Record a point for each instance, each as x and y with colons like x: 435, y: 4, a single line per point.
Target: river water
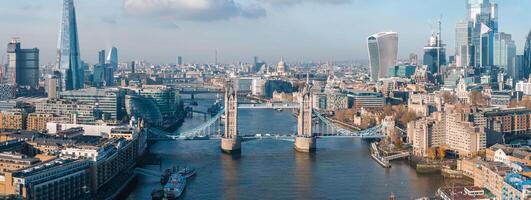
x: 271, y: 169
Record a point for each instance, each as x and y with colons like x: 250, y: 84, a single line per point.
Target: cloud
x: 194, y: 10
x: 293, y: 2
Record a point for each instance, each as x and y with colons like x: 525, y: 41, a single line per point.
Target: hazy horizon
x: 298, y: 30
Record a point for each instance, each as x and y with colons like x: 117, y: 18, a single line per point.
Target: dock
x: 375, y: 154
x: 384, y: 161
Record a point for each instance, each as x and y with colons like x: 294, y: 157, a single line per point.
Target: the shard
x: 68, y: 56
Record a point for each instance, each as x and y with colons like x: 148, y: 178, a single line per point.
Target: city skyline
x: 265, y: 28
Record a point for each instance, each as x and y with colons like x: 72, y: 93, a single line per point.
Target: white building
x: 524, y: 87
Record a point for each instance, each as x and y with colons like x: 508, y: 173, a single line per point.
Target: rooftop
x: 38, y: 168
x: 517, y: 181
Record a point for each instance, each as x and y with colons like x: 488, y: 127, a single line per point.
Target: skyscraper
x: 505, y: 53
x: 383, y: 53
x: 482, y: 25
x: 68, y: 55
x: 462, y: 44
x: 101, y: 57
x: 527, y: 56
x: 179, y: 60
x: 112, y: 58
x: 434, y: 54
x: 23, y: 65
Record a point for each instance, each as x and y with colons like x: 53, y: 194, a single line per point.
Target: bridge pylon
x: 305, y: 141
x: 230, y: 142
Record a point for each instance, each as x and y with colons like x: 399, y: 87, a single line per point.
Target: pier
x: 384, y: 161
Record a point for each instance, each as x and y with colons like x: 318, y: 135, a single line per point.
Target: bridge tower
x: 305, y: 141
x: 230, y: 142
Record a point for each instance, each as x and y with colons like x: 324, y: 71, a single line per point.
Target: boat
x: 187, y: 172
x: 175, y: 187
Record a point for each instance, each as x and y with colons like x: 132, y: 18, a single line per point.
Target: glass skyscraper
x: 434, y: 54
x: 68, y: 55
x: 527, y: 56
x: 383, y: 53
x: 475, y: 35
x: 505, y: 53
x: 112, y: 58
x: 23, y: 65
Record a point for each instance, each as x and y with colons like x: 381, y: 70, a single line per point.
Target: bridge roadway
x: 268, y: 106
x: 285, y: 137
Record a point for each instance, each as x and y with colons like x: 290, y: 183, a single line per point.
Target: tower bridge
x: 311, y: 125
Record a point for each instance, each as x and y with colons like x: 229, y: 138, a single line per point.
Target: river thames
x: 271, y: 169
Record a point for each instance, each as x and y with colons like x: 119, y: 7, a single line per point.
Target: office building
x: 483, y: 24
x: 434, y: 54
x: 61, y: 178
x: 101, y: 57
x: 463, y: 56
x: 23, y: 65
x: 524, y: 87
x: 403, y: 71
x: 383, y: 53
x: 167, y: 99
x: 366, y: 100
x: 66, y: 111
x: 7, y: 91
x: 112, y: 58
x: 179, y: 61
x: 53, y: 85
x: 68, y: 55
x: 526, y: 61
x: 505, y: 53
x: 107, y: 103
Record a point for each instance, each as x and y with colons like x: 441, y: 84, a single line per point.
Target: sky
x: 298, y: 30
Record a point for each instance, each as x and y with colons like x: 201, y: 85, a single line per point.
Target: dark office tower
x: 179, y: 60
x: 527, y: 55
x: 133, y: 67
x: 434, y: 54
x: 68, y: 55
x: 101, y: 57
x: 519, y: 68
x: 23, y: 65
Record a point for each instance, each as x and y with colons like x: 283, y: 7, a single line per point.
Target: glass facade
x: 23, y: 65
x: 483, y: 24
x: 383, y: 53
x: 527, y: 56
x: 68, y: 55
x: 505, y: 53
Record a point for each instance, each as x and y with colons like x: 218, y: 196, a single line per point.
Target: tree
x: 388, y: 110
x: 477, y: 98
x: 441, y: 152
x: 432, y: 153
x: 448, y: 97
x: 407, y: 117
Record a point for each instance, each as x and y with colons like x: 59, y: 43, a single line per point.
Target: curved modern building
x: 139, y: 106
x: 383, y: 53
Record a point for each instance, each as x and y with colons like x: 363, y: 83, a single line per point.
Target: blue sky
x: 316, y: 30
